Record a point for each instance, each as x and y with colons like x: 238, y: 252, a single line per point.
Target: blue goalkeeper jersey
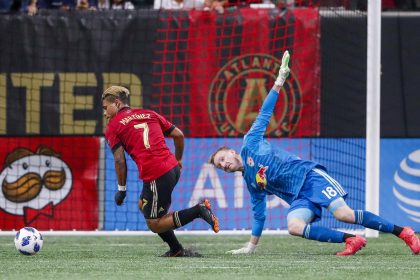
x: 267, y: 169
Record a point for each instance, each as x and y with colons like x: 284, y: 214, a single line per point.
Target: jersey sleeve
x: 258, y: 128
x: 258, y: 201
x: 166, y: 125
x: 112, y: 138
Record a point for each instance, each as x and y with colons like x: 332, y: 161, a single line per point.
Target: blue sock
x: 323, y: 234
x: 370, y: 220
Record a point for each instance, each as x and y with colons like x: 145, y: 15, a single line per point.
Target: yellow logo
x: 260, y: 177
x: 240, y: 87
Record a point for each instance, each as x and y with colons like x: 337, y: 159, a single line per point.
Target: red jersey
x: 141, y: 133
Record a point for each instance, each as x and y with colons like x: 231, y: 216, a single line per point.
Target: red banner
x: 49, y: 183
x: 234, y: 60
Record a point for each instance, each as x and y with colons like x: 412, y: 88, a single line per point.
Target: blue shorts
x: 318, y: 190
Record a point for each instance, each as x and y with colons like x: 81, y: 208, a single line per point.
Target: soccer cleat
x: 411, y: 239
x: 207, y: 215
x: 182, y: 253
x: 353, y: 244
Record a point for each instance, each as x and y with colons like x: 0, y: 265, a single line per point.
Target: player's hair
x: 211, y: 158
x: 116, y: 92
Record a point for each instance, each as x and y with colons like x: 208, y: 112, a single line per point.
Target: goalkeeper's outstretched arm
x: 248, y: 248
x: 258, y: 198
x: 256, y: 133
x: 259, y: 203
x: 283, y: 72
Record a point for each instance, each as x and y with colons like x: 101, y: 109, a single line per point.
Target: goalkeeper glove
x: 284, y: 69
x: 249, y: 248
x: 120, y: 195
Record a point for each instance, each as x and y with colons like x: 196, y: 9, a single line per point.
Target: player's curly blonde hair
x: 115, y: 92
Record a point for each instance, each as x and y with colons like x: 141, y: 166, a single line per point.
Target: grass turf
x: 278, y: 257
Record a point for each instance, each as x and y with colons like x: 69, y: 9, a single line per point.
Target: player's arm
x: 119, y: 162
x: 256, y: 133
x: 170, y: 130
x: 178, y: 138
x: 121, y: 170
x: 283, y: 72
x: 258, y: 201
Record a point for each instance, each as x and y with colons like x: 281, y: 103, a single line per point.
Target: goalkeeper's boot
x: 207, y: 215
x: 353, y: 244
x: 182, y: 253
x: 411, y: 239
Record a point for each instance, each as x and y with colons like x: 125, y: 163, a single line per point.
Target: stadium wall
x: 343, y: 76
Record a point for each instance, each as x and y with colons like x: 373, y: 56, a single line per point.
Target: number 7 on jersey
x: 145, y: 133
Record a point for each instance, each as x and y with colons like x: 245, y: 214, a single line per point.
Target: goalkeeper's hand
x: 119, y: 197
x: 249, y: 248
x: 284, y: 70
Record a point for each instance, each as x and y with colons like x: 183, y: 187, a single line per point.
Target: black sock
x: 185, y: 216
x: 397, y: 230
x: 170, y: 238
x: 347, y: 235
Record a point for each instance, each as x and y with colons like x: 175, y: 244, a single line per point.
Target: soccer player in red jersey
x: 141, y: 133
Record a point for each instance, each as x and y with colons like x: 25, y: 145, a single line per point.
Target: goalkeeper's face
x: 228, y: 160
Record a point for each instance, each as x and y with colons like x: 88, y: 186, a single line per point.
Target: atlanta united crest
x: 238, y: 90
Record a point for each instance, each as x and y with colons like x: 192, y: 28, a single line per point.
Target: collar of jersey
x: 123, y: 109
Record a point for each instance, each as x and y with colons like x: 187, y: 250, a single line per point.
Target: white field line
x: 149, y: 233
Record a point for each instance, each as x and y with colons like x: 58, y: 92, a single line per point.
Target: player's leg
x: 333, y: 194
x: 146, y: 202
x: 155, y: 202
x: 297, y: 219
x: 201, y: 210
x: 155, y: 209
x: 299, y: 222
x: 317, y: 192
x: 182, y: 217
x: 342, y: 212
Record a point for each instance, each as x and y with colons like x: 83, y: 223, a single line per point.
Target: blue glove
x: 119, y: 197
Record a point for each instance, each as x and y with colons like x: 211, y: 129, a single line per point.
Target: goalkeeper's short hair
x: 211, y: 158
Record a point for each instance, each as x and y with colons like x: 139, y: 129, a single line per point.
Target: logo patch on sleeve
x: 260, y: 177
x: 250, y: 161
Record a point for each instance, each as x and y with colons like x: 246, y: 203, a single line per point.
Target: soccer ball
x: 28, y: 241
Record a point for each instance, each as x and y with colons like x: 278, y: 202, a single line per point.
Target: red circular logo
x: 238, y: 90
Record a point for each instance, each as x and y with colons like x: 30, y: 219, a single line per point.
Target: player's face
x: 228, y: 161
x: 110, y: 108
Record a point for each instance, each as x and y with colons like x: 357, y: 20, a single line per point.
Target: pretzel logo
x: 33, y: 181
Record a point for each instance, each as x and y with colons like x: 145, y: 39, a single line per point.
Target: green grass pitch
x: 136, y: 257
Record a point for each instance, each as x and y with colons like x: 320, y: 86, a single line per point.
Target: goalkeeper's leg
x: 299, y: 225
x: 369, y: 220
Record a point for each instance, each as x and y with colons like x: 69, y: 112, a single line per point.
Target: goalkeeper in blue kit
x: 305, y: 185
